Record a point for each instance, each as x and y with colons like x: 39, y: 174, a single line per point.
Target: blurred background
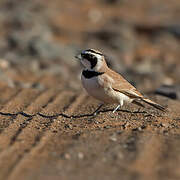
x: 141, y: 39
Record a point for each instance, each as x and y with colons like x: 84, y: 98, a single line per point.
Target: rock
x: 113, y: 138
x: 171, y: 91
x: 67, y: 156
x: 4, y: 64
x: 80, y: 155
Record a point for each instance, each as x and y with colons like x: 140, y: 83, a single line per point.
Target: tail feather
x: 137, y: 103
x: 152, y: 103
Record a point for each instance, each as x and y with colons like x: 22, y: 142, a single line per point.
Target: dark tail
x: 137, y: 103
x: 152, y: 103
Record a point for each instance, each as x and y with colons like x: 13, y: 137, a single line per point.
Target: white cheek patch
x: 97, y: 55
x: 99, y: 64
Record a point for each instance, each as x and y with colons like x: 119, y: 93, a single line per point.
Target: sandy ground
x: 52, y: 134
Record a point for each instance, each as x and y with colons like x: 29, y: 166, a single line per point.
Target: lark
x: 106, y: 85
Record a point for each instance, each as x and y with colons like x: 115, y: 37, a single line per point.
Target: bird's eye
x: 82, y: 55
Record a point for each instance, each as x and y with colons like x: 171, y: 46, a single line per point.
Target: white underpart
x: 94, y: 87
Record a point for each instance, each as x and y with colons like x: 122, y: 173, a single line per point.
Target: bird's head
x: 92, y: 59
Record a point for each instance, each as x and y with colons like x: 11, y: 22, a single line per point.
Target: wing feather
x: 118, y: 83
x: 123, y: 86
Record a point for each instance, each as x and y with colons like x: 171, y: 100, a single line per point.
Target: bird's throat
x: 90, y: 74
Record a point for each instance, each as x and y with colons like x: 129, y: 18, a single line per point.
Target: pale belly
x: 107, y: 95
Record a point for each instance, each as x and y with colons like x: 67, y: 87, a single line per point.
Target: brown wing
x: 119, y: 84
x: 123, y: 86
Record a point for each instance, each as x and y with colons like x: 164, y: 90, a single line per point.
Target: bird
x: 106, y: 85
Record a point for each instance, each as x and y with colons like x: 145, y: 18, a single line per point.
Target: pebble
x: 67, y: 156
x: 95, y: 15
x: 80, y: 155
x: 127, y: 124
x: 171, y: 91
x: 166, y: 125
x: 4, y: 64
x: 120, y: 155
x: 107, y: 127
x: 68, y: 126
x: 113, y: 138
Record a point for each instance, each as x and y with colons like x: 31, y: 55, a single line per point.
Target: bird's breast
x: 91, y: 85
x: 94, y: 89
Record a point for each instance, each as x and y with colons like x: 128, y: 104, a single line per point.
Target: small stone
x: 166, y: 125
x: 112, y: 116
x: 119, y: 132
x: 107, y: 127
x: 67, y: 156
x: 95, y: 15
x: 68, y: 126
x: 171, y: 91
x: 113, y: 138
x: 127, y: 124
x: 54, y: 131
x: 80, y: 155
x: 120, y: 155
x: 4, y: 64
x: 135, y: 129
x: 168, y: 81
x: 139, y: 128
x: 165, y: 131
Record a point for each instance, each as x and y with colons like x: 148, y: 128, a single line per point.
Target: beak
x: 78, y: 57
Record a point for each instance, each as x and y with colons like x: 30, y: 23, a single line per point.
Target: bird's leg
x: 95, y: 112
x: 120, y: 105
x: 116, y: 108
